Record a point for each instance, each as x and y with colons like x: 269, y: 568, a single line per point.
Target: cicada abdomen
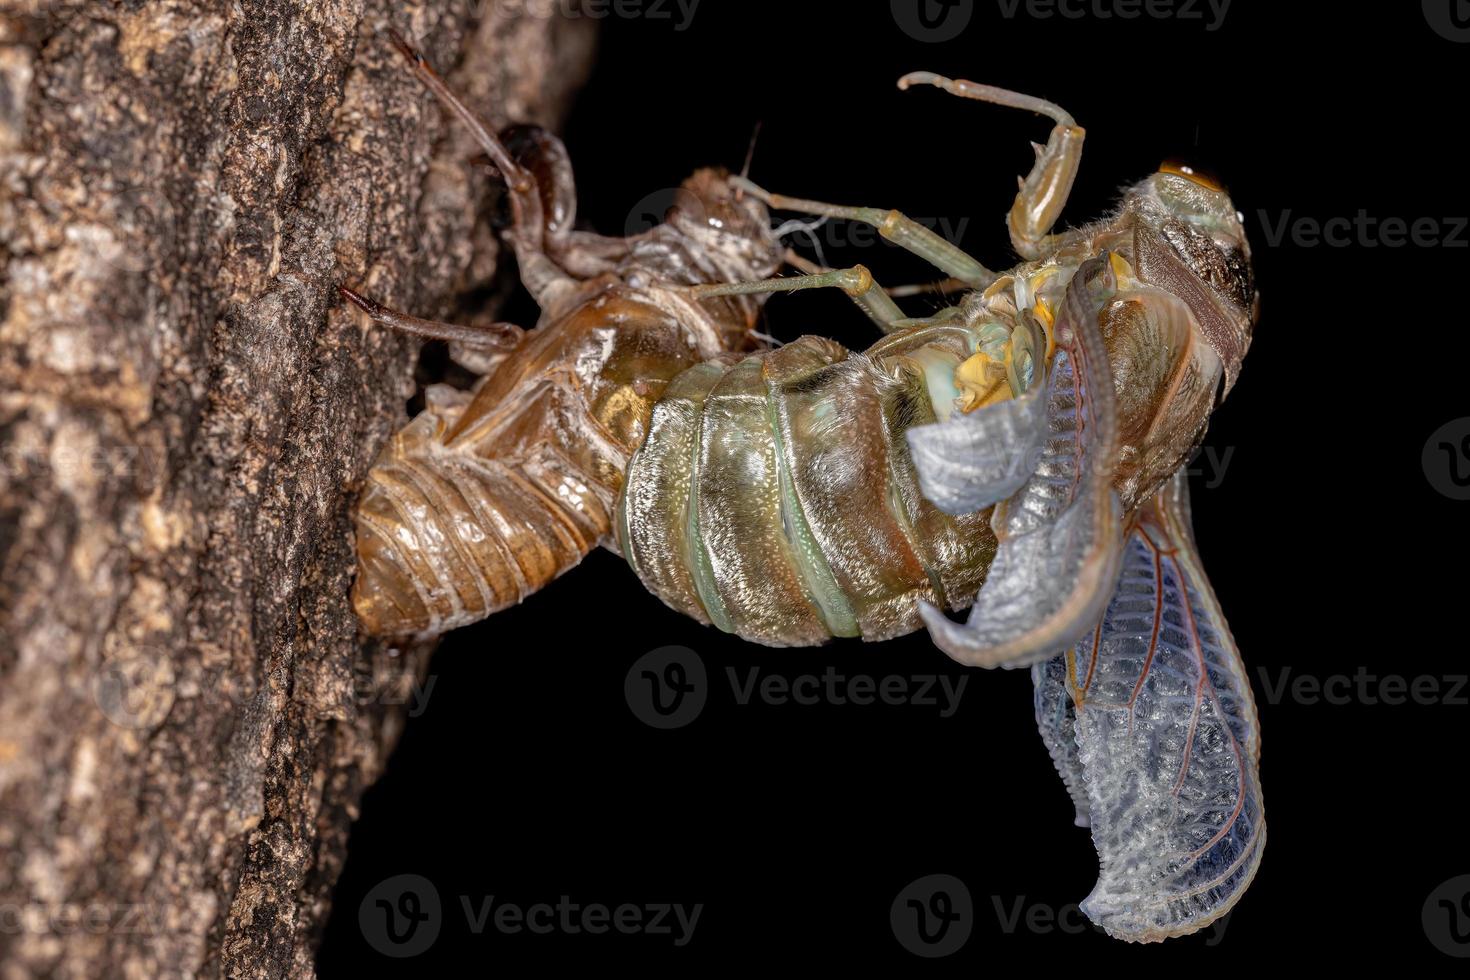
x: 776, y: 498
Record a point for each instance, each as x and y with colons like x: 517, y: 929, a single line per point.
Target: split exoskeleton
x: 1019, y: 453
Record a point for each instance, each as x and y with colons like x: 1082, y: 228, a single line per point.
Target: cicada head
x: 712, y: 233
x: 1190, y: 241
x: 1178, y: 323
x: 726, y: 223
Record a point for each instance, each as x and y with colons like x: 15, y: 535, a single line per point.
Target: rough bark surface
x: 188, y: 717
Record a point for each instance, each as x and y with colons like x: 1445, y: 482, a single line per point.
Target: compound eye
x: 1201, y: 177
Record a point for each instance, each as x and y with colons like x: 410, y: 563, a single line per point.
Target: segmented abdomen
x: 776, y: 499
x: 478, y: 503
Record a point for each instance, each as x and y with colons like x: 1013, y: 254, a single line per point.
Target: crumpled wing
x: 1167, y: 738
x: 1060, y: 533
x: 972, y: 461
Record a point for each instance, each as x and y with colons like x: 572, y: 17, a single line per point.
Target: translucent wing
x: 1060, y: 533
x: 1167, y: 739
x: 1056, y: 718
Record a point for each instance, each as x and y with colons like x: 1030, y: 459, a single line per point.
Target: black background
x: 528, y: 777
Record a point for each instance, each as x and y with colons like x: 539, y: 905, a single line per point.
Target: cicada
x: 1018, y: 453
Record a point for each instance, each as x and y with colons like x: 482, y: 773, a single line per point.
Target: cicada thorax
x: 1165, y: 383
x: 1174, y: 331
x: 775, y: 497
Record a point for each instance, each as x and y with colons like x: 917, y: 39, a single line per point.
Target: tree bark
x: 188, y: 717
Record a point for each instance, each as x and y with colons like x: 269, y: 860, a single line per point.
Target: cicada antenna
x: 749, y: 157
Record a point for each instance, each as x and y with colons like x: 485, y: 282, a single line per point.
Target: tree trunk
x: 188, y: 717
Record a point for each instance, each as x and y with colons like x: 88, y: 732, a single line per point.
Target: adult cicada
x: 1018, y: 453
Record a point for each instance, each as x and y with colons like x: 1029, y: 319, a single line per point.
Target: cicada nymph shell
x: 481, y: 501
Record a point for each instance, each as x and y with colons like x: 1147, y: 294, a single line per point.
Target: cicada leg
x: 581, y: 254
x: 943, y: 286
x: 895, y: 226
x: 492, y: 338
x: 857, y: 282
x: 545, y: 280
x: 1044, y: 191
